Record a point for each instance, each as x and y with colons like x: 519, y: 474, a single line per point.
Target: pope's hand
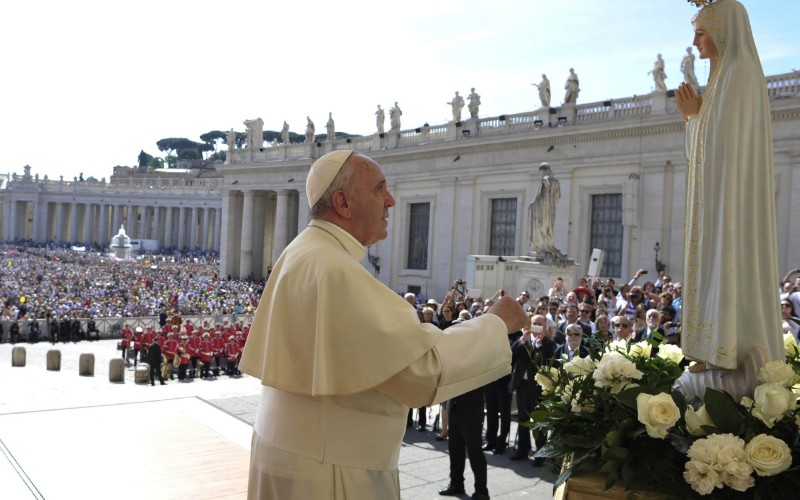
x: 510, y: 312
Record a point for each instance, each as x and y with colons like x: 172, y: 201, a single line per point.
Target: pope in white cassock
x: 342, y: 357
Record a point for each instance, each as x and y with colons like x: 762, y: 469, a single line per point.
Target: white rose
x: 670, y: 352
x: 789, y: 344
x: 579, y: 366
x: 778, y: 372
x: 617, y: 345
x: 641, y: 349
x: 771, y: 402
x: 768, y: 455
x: 615, y: 372
x: 701, y: 477
x: 696, y: 419
x: 545, y: 378
x: 657, y: 413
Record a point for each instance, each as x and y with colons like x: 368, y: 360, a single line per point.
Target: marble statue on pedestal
x: 380, y: 117
x: 231, y: 140
x: 542, y: 214
x: 457, y: 103
x: 474, y: 103
x: 255, y: 133
x: 330, y: 127
x: 544, y: 91
x: 572, y: 87
x: 658, y: 74
x: 310, y: 131
x: 394, y: 117
x: 285, y: 133
x: 687, y: 68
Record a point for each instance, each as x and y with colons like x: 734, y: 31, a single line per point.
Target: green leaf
x: 724, y: 411
x: 628, y: 396
x: 611, y: 480
x: 617, y: 452
x: 627, y: 476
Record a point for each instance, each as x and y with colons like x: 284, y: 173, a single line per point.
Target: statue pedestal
x: 469, y: 128
x: 569, y: 112
x: 392, y: 139
x: 658, y: 102
x: 490, y: 273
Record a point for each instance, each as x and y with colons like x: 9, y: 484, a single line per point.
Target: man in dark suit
x: 653, y: 319
x: 498, y: 407
x: 464, y: 434
x: 571, y: 316
x: 573, y: 346
x: 154, y: 361
x: 533, y: 350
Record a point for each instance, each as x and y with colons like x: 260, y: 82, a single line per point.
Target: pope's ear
x: 340, y: 204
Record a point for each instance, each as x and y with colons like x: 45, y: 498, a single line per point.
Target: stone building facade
x: 462, y: 188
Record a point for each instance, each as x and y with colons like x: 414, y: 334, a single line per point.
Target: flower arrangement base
x: 584, y: 485
x: 589, y: 484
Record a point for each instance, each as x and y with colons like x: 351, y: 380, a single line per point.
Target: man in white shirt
x: 341, y: 357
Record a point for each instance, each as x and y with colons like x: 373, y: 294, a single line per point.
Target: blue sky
x: 88, y: 84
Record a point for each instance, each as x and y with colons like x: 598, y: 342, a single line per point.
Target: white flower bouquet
x: 616, y: 412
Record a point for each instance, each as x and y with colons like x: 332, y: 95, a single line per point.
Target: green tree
x: 155, y: 163
x: 212, y: 137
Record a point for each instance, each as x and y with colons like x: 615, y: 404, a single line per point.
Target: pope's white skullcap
x: 322, y: 173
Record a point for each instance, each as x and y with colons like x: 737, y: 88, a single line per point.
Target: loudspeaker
x: 596, y: 262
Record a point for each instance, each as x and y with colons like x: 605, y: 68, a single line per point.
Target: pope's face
x: 370, y: 203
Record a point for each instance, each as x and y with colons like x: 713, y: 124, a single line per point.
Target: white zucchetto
x: 322, y: 173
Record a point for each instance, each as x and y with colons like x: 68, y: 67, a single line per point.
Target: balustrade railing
x: 778, y: 86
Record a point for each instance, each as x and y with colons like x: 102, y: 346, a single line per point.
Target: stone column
x: 302, y: 210
x: 181, y: 228
x: 59, y: 222
x: 217, y: 229
x: 193, y: 230
x: 116, y: 218
x: 88, y: 224
x: 12, y: 223
x: 103, y: 233
x: 130, y: 226
x: 168, y: 229
x: 39, y: 215
x: 156, y: 234
x: 73, y: 225
x: 147, y: 221
x: 246, y: 252
x: 204, y: 234
x: 281, y: 228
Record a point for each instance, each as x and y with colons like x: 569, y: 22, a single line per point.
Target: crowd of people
x: 566, y: 323
x: 55, y: 283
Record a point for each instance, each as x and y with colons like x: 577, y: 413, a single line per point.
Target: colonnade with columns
x: 257, y: 226
x: 180, y: 223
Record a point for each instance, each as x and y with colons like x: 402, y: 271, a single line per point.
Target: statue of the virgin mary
x: 731, y: 317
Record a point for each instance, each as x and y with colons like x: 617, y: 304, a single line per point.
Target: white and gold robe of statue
x: 341, y: 358
x: 731, y: 316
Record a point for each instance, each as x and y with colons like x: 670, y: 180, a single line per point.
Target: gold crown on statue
x: 700, y: 3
